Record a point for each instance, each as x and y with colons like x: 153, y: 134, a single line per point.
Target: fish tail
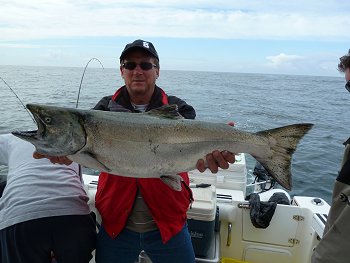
x: 283, y: 142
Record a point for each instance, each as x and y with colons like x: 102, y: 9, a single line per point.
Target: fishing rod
x: 18, y: 99
x: 82, y: 77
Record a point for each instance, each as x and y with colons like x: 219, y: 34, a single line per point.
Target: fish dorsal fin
x: 166, y: 111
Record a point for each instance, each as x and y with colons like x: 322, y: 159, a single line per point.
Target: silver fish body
x: 154, y: 144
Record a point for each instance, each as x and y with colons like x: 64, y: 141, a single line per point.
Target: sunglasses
x: 143, y: 65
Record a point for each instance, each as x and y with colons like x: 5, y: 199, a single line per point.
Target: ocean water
x: 253, y: 101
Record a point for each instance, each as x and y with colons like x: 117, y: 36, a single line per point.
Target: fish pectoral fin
x: 167, y: 112
x: 173, y: 181
x: 87, y: 157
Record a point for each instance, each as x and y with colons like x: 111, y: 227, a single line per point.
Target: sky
x: 302, y: 37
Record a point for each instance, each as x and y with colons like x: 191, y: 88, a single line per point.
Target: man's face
x: 139, y: 82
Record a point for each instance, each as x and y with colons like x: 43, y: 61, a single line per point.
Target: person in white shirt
x: 43, y: 209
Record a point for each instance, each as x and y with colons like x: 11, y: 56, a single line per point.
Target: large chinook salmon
x: 155, y: 144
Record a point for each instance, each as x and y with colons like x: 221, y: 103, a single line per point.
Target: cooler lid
x: 204, y: 204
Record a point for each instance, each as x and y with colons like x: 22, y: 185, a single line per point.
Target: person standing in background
x: 334, y: 245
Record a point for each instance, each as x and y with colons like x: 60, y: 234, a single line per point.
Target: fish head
x: 60, y: 130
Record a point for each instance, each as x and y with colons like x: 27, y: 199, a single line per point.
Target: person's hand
x: 215, y: 160
x: 53, y: 159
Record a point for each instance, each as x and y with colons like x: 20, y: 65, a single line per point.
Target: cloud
x: 318, y: 63
x: 283, y: 60
x: 40, y: 19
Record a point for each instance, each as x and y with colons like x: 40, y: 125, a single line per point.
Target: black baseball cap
x: 140, y: 44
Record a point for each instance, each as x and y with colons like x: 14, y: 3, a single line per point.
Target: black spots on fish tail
x: 288, y: 136
x: 290, y: 151
x: 279, y: 167
x: 283, y: 142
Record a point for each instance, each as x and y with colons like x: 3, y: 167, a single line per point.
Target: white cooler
x: 202, y: 219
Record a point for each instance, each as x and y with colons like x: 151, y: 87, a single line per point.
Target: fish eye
x: 47, y: 120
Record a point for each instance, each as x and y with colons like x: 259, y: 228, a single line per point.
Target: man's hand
x: 53, y: 159
x: 215, y: 160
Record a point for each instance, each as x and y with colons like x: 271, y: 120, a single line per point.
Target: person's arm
x: 4, y: 149
x: 187, y: 111
x: 103, y: 104
x: 53, y: 159
x: 341, y: 192
x: 336, y: 232
x: 3, y: 160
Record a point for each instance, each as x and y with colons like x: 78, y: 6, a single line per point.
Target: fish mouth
x: 33, y: 134
x: 59, y: 130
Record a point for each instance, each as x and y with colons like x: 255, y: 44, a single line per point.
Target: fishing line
x: 82, y: 77
x: 18, y: 99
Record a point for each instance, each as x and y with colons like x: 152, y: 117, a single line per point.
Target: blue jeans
x: 126, y: 247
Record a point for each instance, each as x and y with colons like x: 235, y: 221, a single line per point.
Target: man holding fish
x: 149, y: 212
x: 145, y: 213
